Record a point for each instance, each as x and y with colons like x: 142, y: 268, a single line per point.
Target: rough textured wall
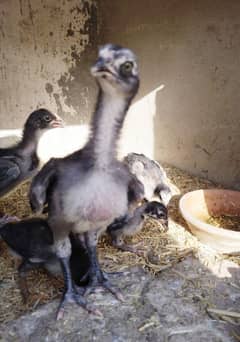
x: 190, y: 50
x: 187, y: 109
x: 45, y: 50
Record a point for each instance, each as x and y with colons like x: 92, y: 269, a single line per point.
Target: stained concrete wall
x: 187, y: 110
x: 190, y: 79
x: 46, y: 47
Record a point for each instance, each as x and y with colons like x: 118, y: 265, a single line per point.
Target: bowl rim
x: 201, y: 225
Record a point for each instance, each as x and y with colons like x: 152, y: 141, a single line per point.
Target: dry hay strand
x: 163, y: 250
x: 225, y: 222
x: 160, y: 251
x: 225, y: 315
x: 16, y: 203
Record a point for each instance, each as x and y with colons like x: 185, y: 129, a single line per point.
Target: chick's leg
x: 97, y: 278
x: 136, y: 248
x: 127, y: 226
x: 23, y: 269
x: 70, y: 293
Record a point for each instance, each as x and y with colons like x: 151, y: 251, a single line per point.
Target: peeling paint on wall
x: 78, y: 87
x: 43, y: 54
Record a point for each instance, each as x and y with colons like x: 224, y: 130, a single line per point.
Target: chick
x: 130, y: 224
x: 31, y: 241
x: 88, y: 189
x: 19, y: 162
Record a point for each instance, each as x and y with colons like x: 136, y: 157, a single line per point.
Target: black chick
x: 132, y: 223
x: 19, y: 162
x: 31, y: 240
x: 152, y: 176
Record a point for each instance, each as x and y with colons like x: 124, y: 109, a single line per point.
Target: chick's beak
x: 57, y: 122
x: 165, y: 222
x: 99, y: 68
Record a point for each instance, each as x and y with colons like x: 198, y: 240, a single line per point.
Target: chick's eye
x: 47, y: 118
x: 161, y: 214
x: 126, y: 68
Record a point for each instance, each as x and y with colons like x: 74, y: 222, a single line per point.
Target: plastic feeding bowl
x: 198, y: 206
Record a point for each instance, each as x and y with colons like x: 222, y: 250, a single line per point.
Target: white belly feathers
x: 95, y: 201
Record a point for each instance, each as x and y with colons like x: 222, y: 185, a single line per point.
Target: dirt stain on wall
x: 47, y: 48
x: 78, y: 87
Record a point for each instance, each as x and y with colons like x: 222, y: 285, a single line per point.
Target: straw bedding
x: 162, y: 249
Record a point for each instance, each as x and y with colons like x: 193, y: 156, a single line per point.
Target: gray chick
x: 87, y: 190
x: 152, y: 176
x: 130, y: 224
x: 157, y: 194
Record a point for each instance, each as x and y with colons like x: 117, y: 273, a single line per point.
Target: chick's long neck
x: 29, y: 142
x: 106, y: 126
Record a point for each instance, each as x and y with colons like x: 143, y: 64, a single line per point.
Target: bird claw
x: 76, y: 297
x: 7, y: 218
x: 134, y: 248
x: 115, y: 291
x: 102, y: 282
x: 104, y: 274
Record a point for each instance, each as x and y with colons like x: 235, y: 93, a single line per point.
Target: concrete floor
x: 171, y: 307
